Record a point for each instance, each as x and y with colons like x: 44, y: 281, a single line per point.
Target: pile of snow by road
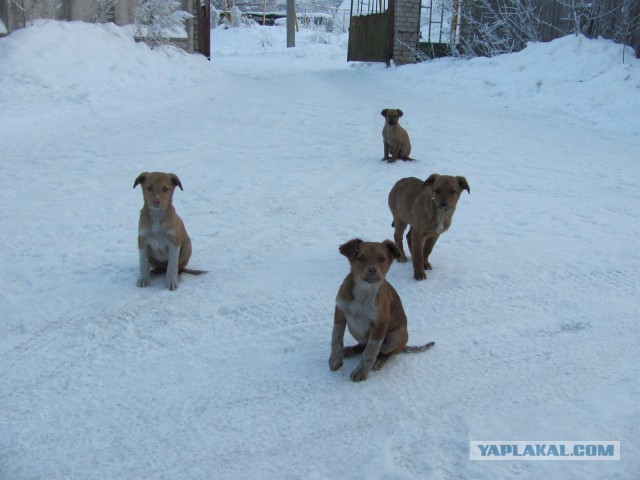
x: 532, y: 300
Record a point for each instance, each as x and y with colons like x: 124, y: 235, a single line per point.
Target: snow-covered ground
x: 532, y: 302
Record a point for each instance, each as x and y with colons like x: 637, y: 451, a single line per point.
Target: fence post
x: 291, y: 23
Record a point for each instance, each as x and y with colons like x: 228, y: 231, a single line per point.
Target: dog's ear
x: 463, y: 184
x: 399, y: 112
x: 140, y: 180
x: 393, y: 249
x: 175, y: 180
x: 431, y: 180
x: 350, y: 248
x: 384, y: 112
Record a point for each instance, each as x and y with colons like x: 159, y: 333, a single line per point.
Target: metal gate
x: 371, y: 31
x: 439, y: 27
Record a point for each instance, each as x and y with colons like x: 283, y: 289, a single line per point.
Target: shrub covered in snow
x: 157, y: 20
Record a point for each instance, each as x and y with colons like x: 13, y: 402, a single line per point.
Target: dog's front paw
x: 143, y: 281
x: 359, y: 374
x: 335, y: 362
x: 419, y: 275
x: 427, y: 266
x: 171, y: 283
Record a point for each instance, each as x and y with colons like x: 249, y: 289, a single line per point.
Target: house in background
x: 16, y: 14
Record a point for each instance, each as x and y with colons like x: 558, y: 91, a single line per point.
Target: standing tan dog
x: 370, y: 307
x: 395, y: 138
x: 162, y: 238
x: 428, y: 207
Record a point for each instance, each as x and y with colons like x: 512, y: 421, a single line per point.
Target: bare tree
x: 499, y: 26
x: 103, y: 11
x: 33, y: 9
x: 628, y: 27
x: 618, y: 20
x: 590, y: 17
x: 28, y: 9
x: 492, y: 27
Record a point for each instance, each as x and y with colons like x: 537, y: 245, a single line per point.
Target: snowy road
x: 532, y: 301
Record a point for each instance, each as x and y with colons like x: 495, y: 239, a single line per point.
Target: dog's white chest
x: 158, y: 240
x: 360, y: 312
x: 441, y: 223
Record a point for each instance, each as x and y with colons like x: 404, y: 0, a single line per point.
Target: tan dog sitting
x: 395, y: 138
x: 371, y: 308
x: 428, y: 207
x: 162, y: 238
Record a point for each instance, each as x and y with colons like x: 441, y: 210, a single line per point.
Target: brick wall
x: 406, y: 28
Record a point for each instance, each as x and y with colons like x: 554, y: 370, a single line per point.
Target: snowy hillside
x: 532, y: 300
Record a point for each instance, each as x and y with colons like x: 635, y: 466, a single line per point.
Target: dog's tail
x: 353, y: 350
x: 356, y: 349
x: 418, y: 349
x: 193, y: 272
x: 163, y: 269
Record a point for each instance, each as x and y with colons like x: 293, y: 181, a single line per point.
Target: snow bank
x: 573, y: 74
x: 80, y: 62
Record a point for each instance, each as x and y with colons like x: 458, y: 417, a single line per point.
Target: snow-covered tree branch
x: 500, y: 27
x: 103, y: 11
x: 156, y: 21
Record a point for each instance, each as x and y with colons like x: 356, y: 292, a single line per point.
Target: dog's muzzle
x: 443, y: 205
x: 372, y: 276
x: 371, y: 280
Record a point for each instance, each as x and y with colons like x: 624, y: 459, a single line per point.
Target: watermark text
x: 544, y: 450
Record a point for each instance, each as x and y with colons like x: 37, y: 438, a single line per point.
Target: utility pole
x: 291, y: 23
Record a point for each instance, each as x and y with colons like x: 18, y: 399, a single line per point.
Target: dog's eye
x: 361, y: 258
x: 150, y: 188
x: 438, y: 191
x: 165, y: 189
x: 451, y: 192
x: 381, y: 259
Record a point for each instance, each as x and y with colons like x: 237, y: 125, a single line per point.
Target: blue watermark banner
x: 544, y: 450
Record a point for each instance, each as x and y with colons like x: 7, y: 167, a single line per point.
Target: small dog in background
x: 162, y: 238
x: 395, y: 138
x: 428, y: 208
x: 371, y: 308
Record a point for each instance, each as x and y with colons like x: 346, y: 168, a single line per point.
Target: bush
x: 156, y: 21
